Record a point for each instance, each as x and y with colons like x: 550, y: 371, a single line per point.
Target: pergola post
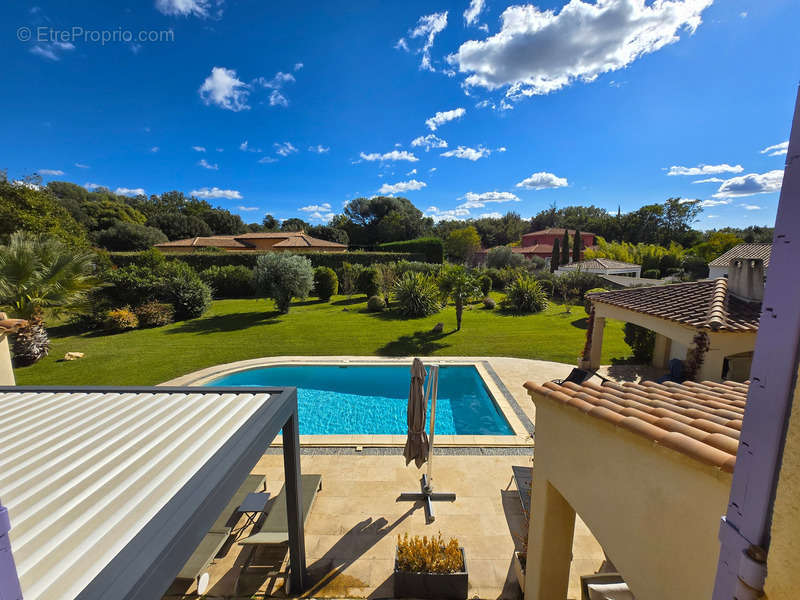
x: 661, y: 351
x: 597, y: 341
x: 550, y: 544
x: 291, y: 467
x: 711, y: 369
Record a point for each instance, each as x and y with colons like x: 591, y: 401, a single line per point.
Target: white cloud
x: 215, y: 192
x: 53, y: 50
x: 401, y: 44
x: 276, y: 96
x: 298, y: 66
x: 183, y: 8
x: 411, y: 172
x: 82, y: 166
x: 540, y: 51
x: 542, y: 181
x: 123, y: 191
x: 712, y: 203
x: 401, y: 186
x: 451, y: 214
x: 50, y: 172
x: 472, y: 154
x: 491, y: 215
x: 743, y: 14
x: 319, y: 149
x: 247, y: 208
x: 267, y: 160
x: 491, y: 197
x: 91, y: 186
x: 751, y: 206
x: 751, y: 184
x: 198, y: 148
x: 473, y: 11
x: 442, y: 117
x: 429, y: 141
x: 709, y: 180
x: 777, y: 149
x: 207, y: 165
x: 705, y: 169
x: 427, y: 27
x: 393, y: 155
x: 319, y: 216
x: 154, y: 149
x: 284, y: 149
x: 224, y: 89
x: 432, y: 169
x: 325, y: 206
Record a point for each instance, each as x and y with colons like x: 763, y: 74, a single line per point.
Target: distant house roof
x: 699, y: 420
x: 556, y: 231
x: 702, y: 304
x: 290, y: 239
x: 627, y: 282
x: 761, y: 251
x: 600, y: 264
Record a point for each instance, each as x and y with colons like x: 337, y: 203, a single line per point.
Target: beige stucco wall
x: 783, y: 572
x: 6, y: 370
x: 655, y: 511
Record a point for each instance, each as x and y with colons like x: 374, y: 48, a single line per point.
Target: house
x: 287, y: 241
x: 540, y: 243
x: 719, y: 266
x: 723, y: 312
x: 603, y: 266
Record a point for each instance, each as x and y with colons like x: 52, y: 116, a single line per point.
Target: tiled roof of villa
x: 761, y: 251
x: 220, y: 241
x: 292, y: 239
x: 701, y: 304
x: 700, y: 420
x: 598, y: 264
x: 306, y: 241
x: 556, y: 231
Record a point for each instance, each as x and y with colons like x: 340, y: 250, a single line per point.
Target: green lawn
x: 241, y: 329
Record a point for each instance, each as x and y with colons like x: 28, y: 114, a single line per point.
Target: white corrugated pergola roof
x: 83, y: 473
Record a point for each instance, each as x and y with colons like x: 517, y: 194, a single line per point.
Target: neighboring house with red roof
x: 540, y: 243
x: 291, y: 241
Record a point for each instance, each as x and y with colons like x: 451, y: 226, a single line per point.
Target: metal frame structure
x: 148, y: 564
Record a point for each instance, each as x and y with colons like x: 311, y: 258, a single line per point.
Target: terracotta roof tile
x: 700, y: 420
x: 556, y: 231
x: 699, y: 304
x: 290, y: 239
x: 762, y: 251
x: 599, y: 264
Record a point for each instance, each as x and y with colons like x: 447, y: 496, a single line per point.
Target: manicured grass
x: 241, y: 329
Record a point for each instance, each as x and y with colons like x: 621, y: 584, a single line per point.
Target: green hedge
x: 431, y: 247
x: 202, y: 261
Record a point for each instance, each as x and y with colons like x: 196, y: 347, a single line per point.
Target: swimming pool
x: 364, y: 400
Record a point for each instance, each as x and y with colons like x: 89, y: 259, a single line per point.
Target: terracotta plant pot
x: 447, y: 586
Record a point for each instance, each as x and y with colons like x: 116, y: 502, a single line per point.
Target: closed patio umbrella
x: 417, y: 442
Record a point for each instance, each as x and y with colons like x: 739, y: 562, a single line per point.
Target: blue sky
x: 293, y: 110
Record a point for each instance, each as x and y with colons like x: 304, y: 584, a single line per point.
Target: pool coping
x: 517, y: 419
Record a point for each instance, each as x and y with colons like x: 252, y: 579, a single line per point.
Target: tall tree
x: 555, y: 258
x: 577, y: 246
x: 565, y: 248
x: 270, y: 223
x: 461, y: 244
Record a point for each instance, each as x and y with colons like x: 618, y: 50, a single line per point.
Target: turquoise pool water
x: 372, y: 400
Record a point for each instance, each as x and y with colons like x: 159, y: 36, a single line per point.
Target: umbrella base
x: 428, y: 496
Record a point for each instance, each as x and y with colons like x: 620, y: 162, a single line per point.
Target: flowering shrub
x: 155, y: 314
x: 120, y: 319
x: 423, y: 555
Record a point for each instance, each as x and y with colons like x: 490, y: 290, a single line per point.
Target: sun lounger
x: 196, y: 568
x: 523, y: 476
x: 575, y: 376
x: 604, y: 586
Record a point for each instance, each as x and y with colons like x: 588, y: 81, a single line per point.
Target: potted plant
x: 429, y: 568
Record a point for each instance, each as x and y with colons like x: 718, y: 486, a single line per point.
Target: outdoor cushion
x: 609, y: 591
x: 203, y: 555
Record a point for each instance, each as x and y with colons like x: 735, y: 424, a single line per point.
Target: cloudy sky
x: 468, y: 108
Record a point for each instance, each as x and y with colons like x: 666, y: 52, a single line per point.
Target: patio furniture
x: 675, y: 372
x: 523, y: 477
x: 577, y: 376
x: 196, y: 568
x: 604, y: 586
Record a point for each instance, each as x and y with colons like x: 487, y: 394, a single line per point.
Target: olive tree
x: 283, y: 277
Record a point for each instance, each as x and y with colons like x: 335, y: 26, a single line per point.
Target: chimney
x: 746, y: 279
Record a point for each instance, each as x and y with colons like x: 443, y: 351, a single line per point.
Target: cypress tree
x: 577, y: 246
x: 565, y: 248
x: 555, y: 258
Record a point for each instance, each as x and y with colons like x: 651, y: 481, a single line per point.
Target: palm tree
x: 41, y: 275
x: 462, y: 288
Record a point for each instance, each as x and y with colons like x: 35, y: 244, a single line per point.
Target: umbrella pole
x: 434, y: 381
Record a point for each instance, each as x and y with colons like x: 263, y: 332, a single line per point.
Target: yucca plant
x: 38, y: 276
x: 416, y: 295
x: 460, y: 286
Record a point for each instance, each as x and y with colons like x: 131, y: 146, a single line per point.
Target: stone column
x: 597, y: 342
x: 6, y: 371
x: 549, y: 543
x: 711, y: 370
x: 661, y: 351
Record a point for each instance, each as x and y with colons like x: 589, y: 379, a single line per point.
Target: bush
x: 183, y: 289
x: 404, y: 266
x: 417, y: 295
x: 283, y: 277
x: 587, y: 304
x: 368, y: 282
x: 326, y: 284
x: 642, y: 342
x: 695, y: 267
x: 429, y: 555
x: 489, y: 303
x: 155, y: 314
x: 230, y: 281
x: 431, y: 248
x: 502, y: 277
x: 375, y: 304
x: 133, y: 284
x: 503, y: 257
x: 525, y: 295
x: 120, y: 319
x: 129, y: 236
x: 348, y: 278
x: 486, y: 284
x: 651, y: 274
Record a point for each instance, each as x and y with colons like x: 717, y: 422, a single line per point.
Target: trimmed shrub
x: 368, y: 282
x: 486, y: 284
x: 641, y: 340
x: 375, y: 304
x: 121, y: 319
x: 230, y: 281
x: 155, y: 314
x: 129, y: 236
x: 417, y: 295
x: 651, y: 274
x: 326, y: 283
x: 283, y: 277
x: 432, y: 248
x: 525, y: 295
x: 187, y: 293
x: 489, y: 303
x: 587, y: 304
x: 134, y: 284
